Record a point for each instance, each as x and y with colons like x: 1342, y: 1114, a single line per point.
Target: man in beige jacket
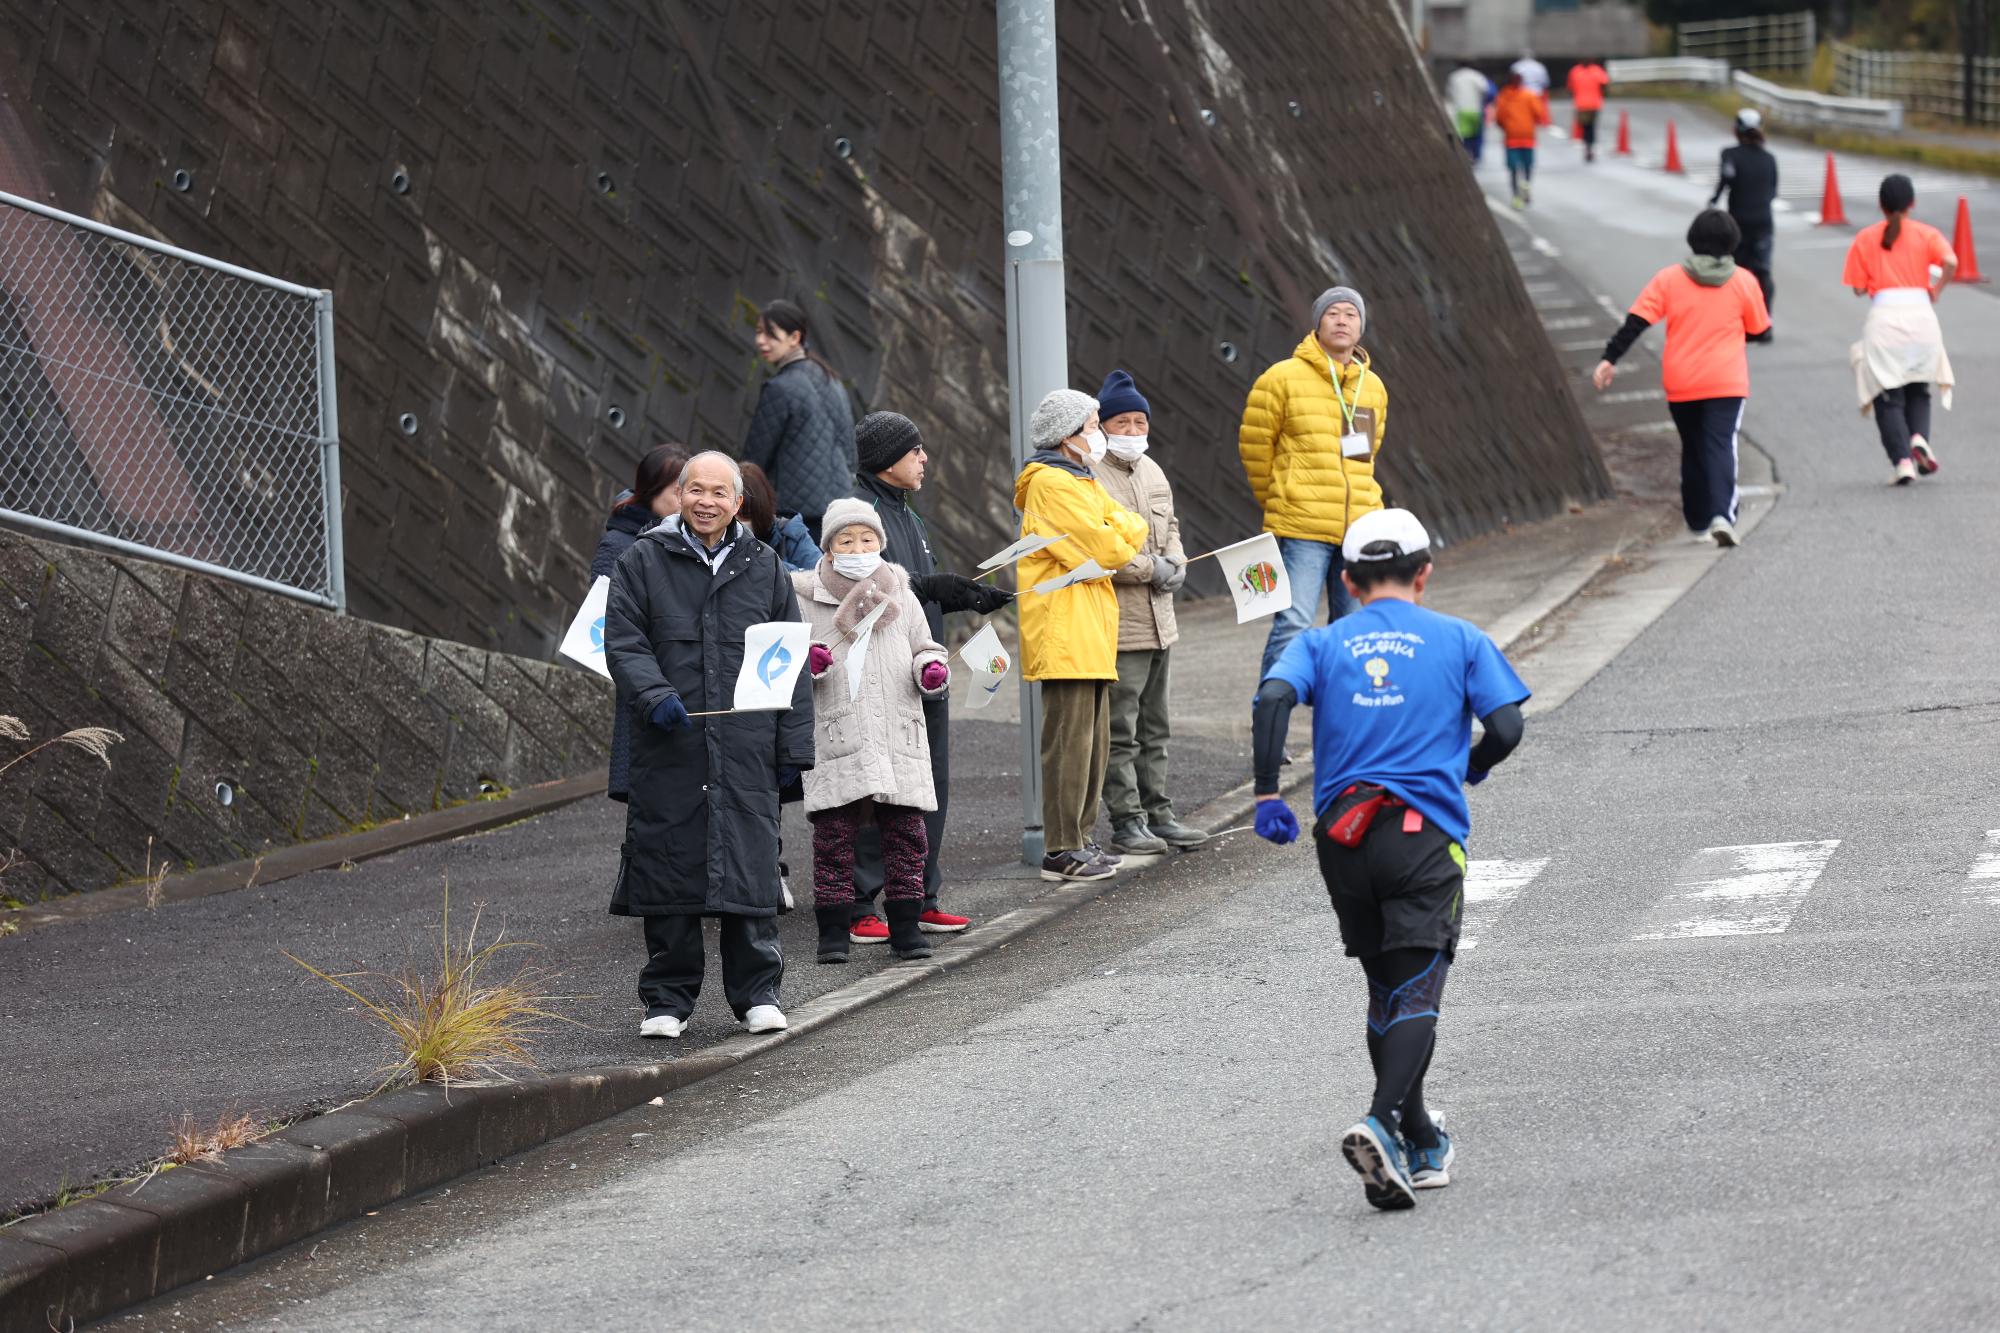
x: 1135, y: 781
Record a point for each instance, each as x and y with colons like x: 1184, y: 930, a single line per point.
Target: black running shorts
x: 1397, y: 890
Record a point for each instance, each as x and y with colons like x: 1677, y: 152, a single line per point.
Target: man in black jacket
x: 1750, y: 175
x: 893, y: 459
x: 701, y: 824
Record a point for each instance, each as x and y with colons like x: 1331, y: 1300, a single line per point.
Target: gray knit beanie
x: 882, y: 438
x: 846, y: 513
x: 1336, y: 294
x: 1059, y: 416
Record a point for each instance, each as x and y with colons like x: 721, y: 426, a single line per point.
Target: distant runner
x: 1519, y: 112
x: 1535, y: 75
x: 1750, y: 178
x: 1467, y: 94
x: 1393, y: 690
x: 1587, y: 83
x: 1711, y: 306
x: 1902, y: 266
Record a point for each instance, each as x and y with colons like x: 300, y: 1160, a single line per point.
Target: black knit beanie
x: 882, y: 438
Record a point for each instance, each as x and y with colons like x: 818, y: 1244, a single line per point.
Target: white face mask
x: 857, y: 566
x: 1094, y: 445
x: 1128, y: 447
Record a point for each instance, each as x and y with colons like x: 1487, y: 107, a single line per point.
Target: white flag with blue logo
x: 585, y: 641
x: 773, y: 655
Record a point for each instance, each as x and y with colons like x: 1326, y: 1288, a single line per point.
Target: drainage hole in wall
x: 225, y: 793
x: 1227, y: 349
x: 616, y: 416
x: 408, y: 423
x: 400, y: 182
x: 605, y: 185
x: 183, y: 181
x: 843, y: 147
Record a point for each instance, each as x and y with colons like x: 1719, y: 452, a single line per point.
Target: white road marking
x: 1543, y: 247
x: 1632, y: 396
x: 1984, y: 877
x: 1569, y: 322
x: 1489, y: 886
x: 1749, y: 890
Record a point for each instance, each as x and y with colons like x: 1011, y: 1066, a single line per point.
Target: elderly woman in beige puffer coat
x: 873, y: 753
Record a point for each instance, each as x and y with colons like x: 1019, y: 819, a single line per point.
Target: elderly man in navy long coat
x: 701, y: 828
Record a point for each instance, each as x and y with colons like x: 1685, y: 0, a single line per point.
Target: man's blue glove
x: 1276, y: 822
x: 669, y: 712
x: 1475, y: 776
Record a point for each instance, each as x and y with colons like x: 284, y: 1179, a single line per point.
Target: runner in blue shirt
x: 1393, y: 688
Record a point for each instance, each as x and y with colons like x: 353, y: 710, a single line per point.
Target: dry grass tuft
x: 452, y: 1023
x: 196, y: 1145
x: 95, y: 741
x: 156, y: 880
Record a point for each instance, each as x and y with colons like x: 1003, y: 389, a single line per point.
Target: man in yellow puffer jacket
x: 1069, y: 638
x: 1308, y: 442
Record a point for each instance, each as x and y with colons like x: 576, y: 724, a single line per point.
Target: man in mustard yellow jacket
x: 1069, y: 637
x: 1311, y: 430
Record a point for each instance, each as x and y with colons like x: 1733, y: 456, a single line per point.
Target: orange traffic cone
x: 1832, y: 213
x: 1673, y: 162
x: 1961, y: 241
x: 1624, y: 135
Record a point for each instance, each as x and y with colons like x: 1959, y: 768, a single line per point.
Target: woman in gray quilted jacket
x: 803, y: 432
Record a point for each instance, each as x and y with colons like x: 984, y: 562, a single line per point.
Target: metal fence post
x: 1037, y: 331
x: 329, y: 445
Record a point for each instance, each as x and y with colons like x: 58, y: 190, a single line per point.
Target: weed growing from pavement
x: 193, y: 1144
x: 450, y: 1022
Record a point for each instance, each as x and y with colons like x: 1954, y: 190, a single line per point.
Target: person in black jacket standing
x: 893, y: 459
x: 655, y: 495
x: 1750, y: 176
x: 701, y: 828
x: 803, y: 432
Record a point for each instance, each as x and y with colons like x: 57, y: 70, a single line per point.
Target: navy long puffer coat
x: 627, y: 521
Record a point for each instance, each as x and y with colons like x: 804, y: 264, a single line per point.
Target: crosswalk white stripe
x: 1489, y: 886
x: 1986, y: 870
x: 1747, y: 890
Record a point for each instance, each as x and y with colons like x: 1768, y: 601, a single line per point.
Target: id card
x: 1355, y: 445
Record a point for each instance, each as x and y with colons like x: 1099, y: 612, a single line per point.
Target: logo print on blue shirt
x: 773, y: 663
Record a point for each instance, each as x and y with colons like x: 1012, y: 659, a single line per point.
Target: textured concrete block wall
x: 316, y: 723
x: 599, y: 190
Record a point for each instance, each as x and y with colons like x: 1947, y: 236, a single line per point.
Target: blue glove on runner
x: 670, y: 712
x: 1276, y: 822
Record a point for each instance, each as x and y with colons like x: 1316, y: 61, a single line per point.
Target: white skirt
x: 1901, y: 343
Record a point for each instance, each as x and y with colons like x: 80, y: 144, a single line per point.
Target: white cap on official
x: 1396, y: 526
x: 1749, y: 118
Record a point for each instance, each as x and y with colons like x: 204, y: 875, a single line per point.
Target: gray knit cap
x: 845, y: 513
x: 1333, y: 295
x: 1059, y: 416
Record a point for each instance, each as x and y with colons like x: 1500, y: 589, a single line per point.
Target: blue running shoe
x: 1430, y: 1168
x: 1377, y: 1155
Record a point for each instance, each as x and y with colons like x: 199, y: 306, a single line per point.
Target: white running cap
x: 1749, y: 118
x: 1396, y: 526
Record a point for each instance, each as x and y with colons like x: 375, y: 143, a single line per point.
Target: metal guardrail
x: 1669, y: 69
x: 1928, y: 81
x: 167, y: 405
x: 1799, y: 107
x: 1768, y: 41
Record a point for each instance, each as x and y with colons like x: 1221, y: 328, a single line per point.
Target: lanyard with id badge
x: 1358, y: 441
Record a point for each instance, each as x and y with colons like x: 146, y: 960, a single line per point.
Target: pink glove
x: 934, y: 675
x: 818, y: 658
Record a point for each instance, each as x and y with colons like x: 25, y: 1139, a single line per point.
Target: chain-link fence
x: 167, y: 405
x: 1937, y: 82
x: 1772, y: 42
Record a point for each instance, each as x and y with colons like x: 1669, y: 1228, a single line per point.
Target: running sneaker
x: 1722, y: 532
x: 1376, y: 1154
x: 1925, y: 456
x: 1906, y: 472
x: 870, y: 929
x: 936, y: 922
x: 1430, y: 1168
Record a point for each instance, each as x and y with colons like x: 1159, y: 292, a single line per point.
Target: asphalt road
x: 1720, y: 1057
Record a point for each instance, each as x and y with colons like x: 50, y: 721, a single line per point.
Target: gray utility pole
x: 1037, y: 334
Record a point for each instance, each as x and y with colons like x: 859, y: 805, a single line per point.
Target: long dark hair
x: 782, y: 316
x: 1897, y: 197
x: 659, y: 467
x: 760, y: 503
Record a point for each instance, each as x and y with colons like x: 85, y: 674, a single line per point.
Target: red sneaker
x: 869, y: 930
x: 935, y: 922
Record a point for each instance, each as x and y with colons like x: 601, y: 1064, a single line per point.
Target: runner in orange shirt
x: 1710, y: 306
x: 1902, y: 266
x: 1518, y: 111
x: 1587, y: 83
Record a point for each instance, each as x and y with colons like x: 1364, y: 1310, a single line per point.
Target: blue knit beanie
x: 1120, y: 394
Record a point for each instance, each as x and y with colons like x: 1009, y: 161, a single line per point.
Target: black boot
x: 833, y: 931
x: 906, y: 937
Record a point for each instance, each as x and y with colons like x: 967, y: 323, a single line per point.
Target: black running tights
x: 1401, y: 1053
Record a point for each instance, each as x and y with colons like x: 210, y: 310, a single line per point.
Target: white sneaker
x: 1906, y: 472
x: 663, y: 1025
x: 1923, y: 455
x: 765, y: 1018
x: 1722, y: 532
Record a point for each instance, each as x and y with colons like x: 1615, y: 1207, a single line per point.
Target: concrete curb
x: 326, y: 854
x: 137, y: 1241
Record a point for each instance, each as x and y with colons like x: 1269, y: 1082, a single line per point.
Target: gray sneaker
x: 1060, y: 866
x: 1130, y: 838
x: 1177, y: 834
